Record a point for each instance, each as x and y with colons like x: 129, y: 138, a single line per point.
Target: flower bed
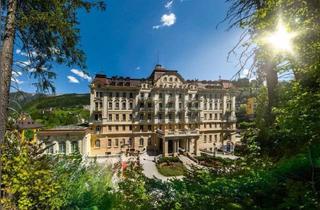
x: 171, y: 166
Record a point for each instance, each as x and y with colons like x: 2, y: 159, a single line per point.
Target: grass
x: 171, y: 167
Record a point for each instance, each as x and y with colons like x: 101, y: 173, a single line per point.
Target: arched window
x: 97, y: 143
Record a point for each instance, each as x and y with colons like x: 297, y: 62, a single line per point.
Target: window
x: 141, y: 105
x: 123, y: 142
x: 109, y: 143
x: 170, y: 79
x: 130, y: 142
x: 216, y: 138
x: 74, y: 146
x: 190, y: 96
x: 117, y: 95
x: 205, y: 139
x: 149, y: 128
x: 97, y: 143
x: 205, y: 116
x: 141, y: 128
x: 160, y: 116
x: 149, y: 141
x: 180, y: 105
x: 141, y: 117
x: 141, y: 95
x: 210, y: 139
x: 117, y: 105
x: 98, y: 129
x: 110, y: 95
x: 141, y: 142
x: 117, y: 128
x: 123, y: 127
x: 210, y: 116
x: 215, y: 116
x: 180, y: 96
x: 130, y: 105
x: 124, y: 106
x: 130, y: 117
x: 101, y: 105
x: 149, y: 116
x: 124, y: 94
x: 117, y: 117
x: 149, y: 105
x: 130, y: 127
x: 210, y: 106
x: 160, y: 105
x: 110, y: 128
x: 116, y: 142
x: 131, y: 95
x: 124, y: 117
x: 215, y: 106
x: 110, y: 105
x: 160, y: 95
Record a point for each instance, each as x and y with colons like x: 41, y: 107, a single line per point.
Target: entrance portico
x: 181, y: 141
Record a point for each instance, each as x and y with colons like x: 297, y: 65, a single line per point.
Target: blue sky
x: 128, y: 38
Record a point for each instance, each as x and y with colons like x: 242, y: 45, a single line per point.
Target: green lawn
x: 171, y: 169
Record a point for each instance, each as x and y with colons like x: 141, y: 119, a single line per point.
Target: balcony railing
x: 179, y: 133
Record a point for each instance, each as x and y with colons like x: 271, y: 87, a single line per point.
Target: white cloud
x: 16, y: 73
x: 244, y: 73
x: 81, y: 74
x: 73, y: 79
x: 23, y: 63
x: 138, y: 68
x: 20, y: 52
x: 16, y: 80
x: 166, y: 20
x: 168, y: 5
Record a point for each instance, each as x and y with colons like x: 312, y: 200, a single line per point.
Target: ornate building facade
x: 163, y: 113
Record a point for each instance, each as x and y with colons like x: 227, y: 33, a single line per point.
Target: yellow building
x: 163, y: 113
x: 27, y: 127
x: 251, y: 106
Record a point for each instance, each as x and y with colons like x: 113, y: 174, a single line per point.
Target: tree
x: 47, y: 31
x: 28, y: 180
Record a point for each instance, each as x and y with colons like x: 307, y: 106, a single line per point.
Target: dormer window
x: 170, y: 79
x: 165, y: 79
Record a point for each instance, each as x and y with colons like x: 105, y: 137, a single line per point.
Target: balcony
x: 178, y: 133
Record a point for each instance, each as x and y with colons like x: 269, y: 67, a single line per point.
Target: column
x: 177, y: 142
x: 196, y: 149
x: 68, y: 147
x: 188, y: 145
x: 55, y: 147
x: 165, y: 148
x: 174, y: 147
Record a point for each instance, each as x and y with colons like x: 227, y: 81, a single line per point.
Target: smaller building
x: 27, y: 127
x: 64, y: 139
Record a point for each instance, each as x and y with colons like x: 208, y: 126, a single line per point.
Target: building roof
x: 25, y: 122
x: 63, y: 130
x: 157, y: 72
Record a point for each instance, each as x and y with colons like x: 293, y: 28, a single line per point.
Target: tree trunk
x: 272, y: 83
x: 6, y: 59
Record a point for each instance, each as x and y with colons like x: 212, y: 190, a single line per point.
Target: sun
x: 281, y: 39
